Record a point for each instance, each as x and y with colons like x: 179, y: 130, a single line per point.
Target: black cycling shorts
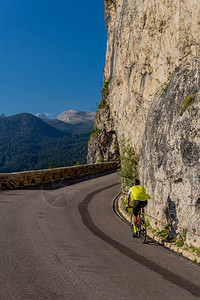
x: 137, y: 206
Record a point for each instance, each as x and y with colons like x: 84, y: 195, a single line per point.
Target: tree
x: 52, y: 166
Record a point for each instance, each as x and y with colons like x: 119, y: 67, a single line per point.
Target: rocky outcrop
x: 148, y: 41
x: 103, y: 145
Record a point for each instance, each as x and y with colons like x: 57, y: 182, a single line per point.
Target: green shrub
x: 96, y: 132
x: 116, y: 145
x: 164, y: 89
x: 123, y: 201
x: 169, y: 78
x: 104, y: 95
x: 182, y: 237
x: 148, y: 224
x: 128, y: 167
x: 187, y: 102
x: 180, y: 243
x: 186, y: 247
x: 103, y: 104
x: 105, y: 90
x: 93, y: 133
x: 195, y: 249
x: 183, y: 234
x: 101, y: 160
x: 164, y: 233
x: 167, y: 226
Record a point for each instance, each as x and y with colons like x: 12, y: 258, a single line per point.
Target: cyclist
x: 137, y: 198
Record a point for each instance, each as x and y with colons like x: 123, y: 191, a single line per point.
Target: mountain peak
x: 76, y: 116
x: 42, y: 116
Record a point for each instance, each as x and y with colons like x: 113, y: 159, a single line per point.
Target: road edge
x: 125, y: 217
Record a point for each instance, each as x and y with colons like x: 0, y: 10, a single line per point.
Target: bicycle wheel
x: 142, y: 229
x: 132, y: 230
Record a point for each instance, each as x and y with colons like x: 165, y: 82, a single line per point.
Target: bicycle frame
x: 141, y: 227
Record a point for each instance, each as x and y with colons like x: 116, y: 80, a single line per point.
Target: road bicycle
x: 141, y: 226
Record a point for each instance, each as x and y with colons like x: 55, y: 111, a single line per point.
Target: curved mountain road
x: 65, y: 242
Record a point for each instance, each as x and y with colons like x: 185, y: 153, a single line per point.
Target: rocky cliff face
x: 147, y: 42
x: 103, y: 145
x: 170, y: 160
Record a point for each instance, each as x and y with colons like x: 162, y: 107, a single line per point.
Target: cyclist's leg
x: 132, y: 229
x: 136, y: 208
x: 143, y: 204
x: 142, y: 223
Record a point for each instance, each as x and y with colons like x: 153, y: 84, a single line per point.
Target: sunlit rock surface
x: 147, y: 42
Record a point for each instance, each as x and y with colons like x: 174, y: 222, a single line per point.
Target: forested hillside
x: 28, y: 143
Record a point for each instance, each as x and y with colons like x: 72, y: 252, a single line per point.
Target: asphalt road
x: 65, y: 242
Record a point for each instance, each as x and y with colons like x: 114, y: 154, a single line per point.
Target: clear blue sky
x: 52, y: 55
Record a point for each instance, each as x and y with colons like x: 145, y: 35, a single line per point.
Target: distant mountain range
x: 74, y: 116
x: 28, y: 142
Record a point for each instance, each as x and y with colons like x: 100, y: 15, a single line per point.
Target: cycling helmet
x: 136, y: 182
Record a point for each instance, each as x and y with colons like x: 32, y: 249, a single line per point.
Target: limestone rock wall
x: 147, y: 41
x: 170, y: 160
x: 103, y: 141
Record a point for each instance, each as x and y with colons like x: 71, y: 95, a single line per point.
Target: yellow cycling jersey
x: 138, y: 193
